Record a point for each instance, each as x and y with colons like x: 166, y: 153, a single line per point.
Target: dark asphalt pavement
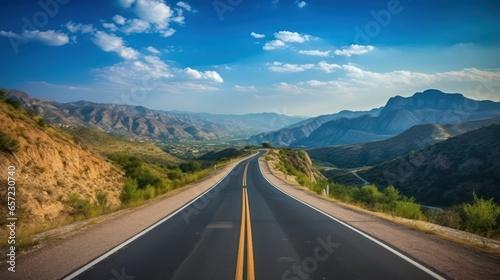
x: 290, y: 241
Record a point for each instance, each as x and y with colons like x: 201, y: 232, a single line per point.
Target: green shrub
x: 7, y: 143
x: 42, y: 123
x: 81, y: 208
x: 368, y: 195
x: 408, y: 208
x: 129, y: 190
x: 481, y: 216
x: 102, y: 199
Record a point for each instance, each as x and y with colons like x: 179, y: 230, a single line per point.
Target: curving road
x: 245, y: 228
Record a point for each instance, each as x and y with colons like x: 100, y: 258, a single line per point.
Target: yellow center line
x: 241, y: 245
x: 245, y: 235
x: 250, y: 260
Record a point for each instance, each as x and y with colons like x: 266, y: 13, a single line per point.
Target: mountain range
x: 448, y: 172
x: 375, y: 152
x: 399, y: 114
x: 288, y: 135
x: 140, y: 123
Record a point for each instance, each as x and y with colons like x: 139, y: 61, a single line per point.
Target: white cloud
x: 49, y: 37
x: 118, y: 19
x: 111, y: 43
x: 78, y: 27
x: 126, y: 3
x: 354, y: 50
x: 285, y: 67
x: 111, y: 26
x: 283, y: 37
x: 167, y: 33
x: 153, y: 50
x: 144, y: 72
x: 244, y: 88
x: 257, y: 36
x: 315, y: 52
x: 178, y: 18
x: 291, y: 37
x: 301, y: 4
x: 184, y: 5
x: 153, y: 11
x: 323, y: 65
x: 207, y: 75
x: 135, y: 26
x: 273, y: 45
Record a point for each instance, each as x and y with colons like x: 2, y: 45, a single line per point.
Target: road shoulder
x: 451, y: 259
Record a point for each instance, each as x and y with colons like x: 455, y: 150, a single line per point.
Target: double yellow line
x: 245, y: 267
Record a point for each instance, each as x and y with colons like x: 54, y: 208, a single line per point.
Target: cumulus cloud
x: 286, y: 67
x: 184, y: 5
x: 323, y: 65
x: 135, y: 26
x: 207, y: 75
x: 118, y: 19
x: 273, y: 45
x: 111, y: 43
x: 155, y: 12
x: 126, y: 3
x: 315, y: 52
x: 301, y: 4
x: 49, y: 37
x: 354, y: 50
x: 78, y: 27
x: 153, y: 50
x: 257, y: 35
x: 291, y: 37
x: 136, y: 72
x: 284, y: 37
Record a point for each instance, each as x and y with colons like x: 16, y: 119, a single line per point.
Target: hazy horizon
x: 300, y: 58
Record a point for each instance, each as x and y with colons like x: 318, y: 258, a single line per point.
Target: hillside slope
x: 399, y: 114
x: 294, y: 166
x: 375, y: 152
x: 448, y: 172
x: 50, y: 166
x: 140, y: 123
x: 286, y: 136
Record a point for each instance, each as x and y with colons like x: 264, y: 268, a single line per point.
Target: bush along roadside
x: 481, y: 216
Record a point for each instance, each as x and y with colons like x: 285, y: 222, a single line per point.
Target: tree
x: 266, y: 145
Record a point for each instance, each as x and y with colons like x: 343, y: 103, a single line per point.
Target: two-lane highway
x: 245, y: 228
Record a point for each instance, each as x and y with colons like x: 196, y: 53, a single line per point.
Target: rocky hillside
x: 296, y: 164
x: 448, y: 172
x: 375, y: 152
x: 50, y: 167
x: 140, y: 123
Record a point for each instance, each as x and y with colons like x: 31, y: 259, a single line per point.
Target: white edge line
x: 133, y: 238
x: 392, y: 250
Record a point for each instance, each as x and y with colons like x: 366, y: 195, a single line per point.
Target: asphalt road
x: 279, y: 238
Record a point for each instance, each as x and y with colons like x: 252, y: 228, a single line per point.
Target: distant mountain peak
x: 430, y: 98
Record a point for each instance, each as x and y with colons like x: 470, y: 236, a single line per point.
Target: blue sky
x: 240, y: 56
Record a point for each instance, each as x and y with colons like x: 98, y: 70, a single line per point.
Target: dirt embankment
x: 49, y: 166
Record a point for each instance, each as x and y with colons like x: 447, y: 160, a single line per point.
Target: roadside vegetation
x: 480, y: 216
